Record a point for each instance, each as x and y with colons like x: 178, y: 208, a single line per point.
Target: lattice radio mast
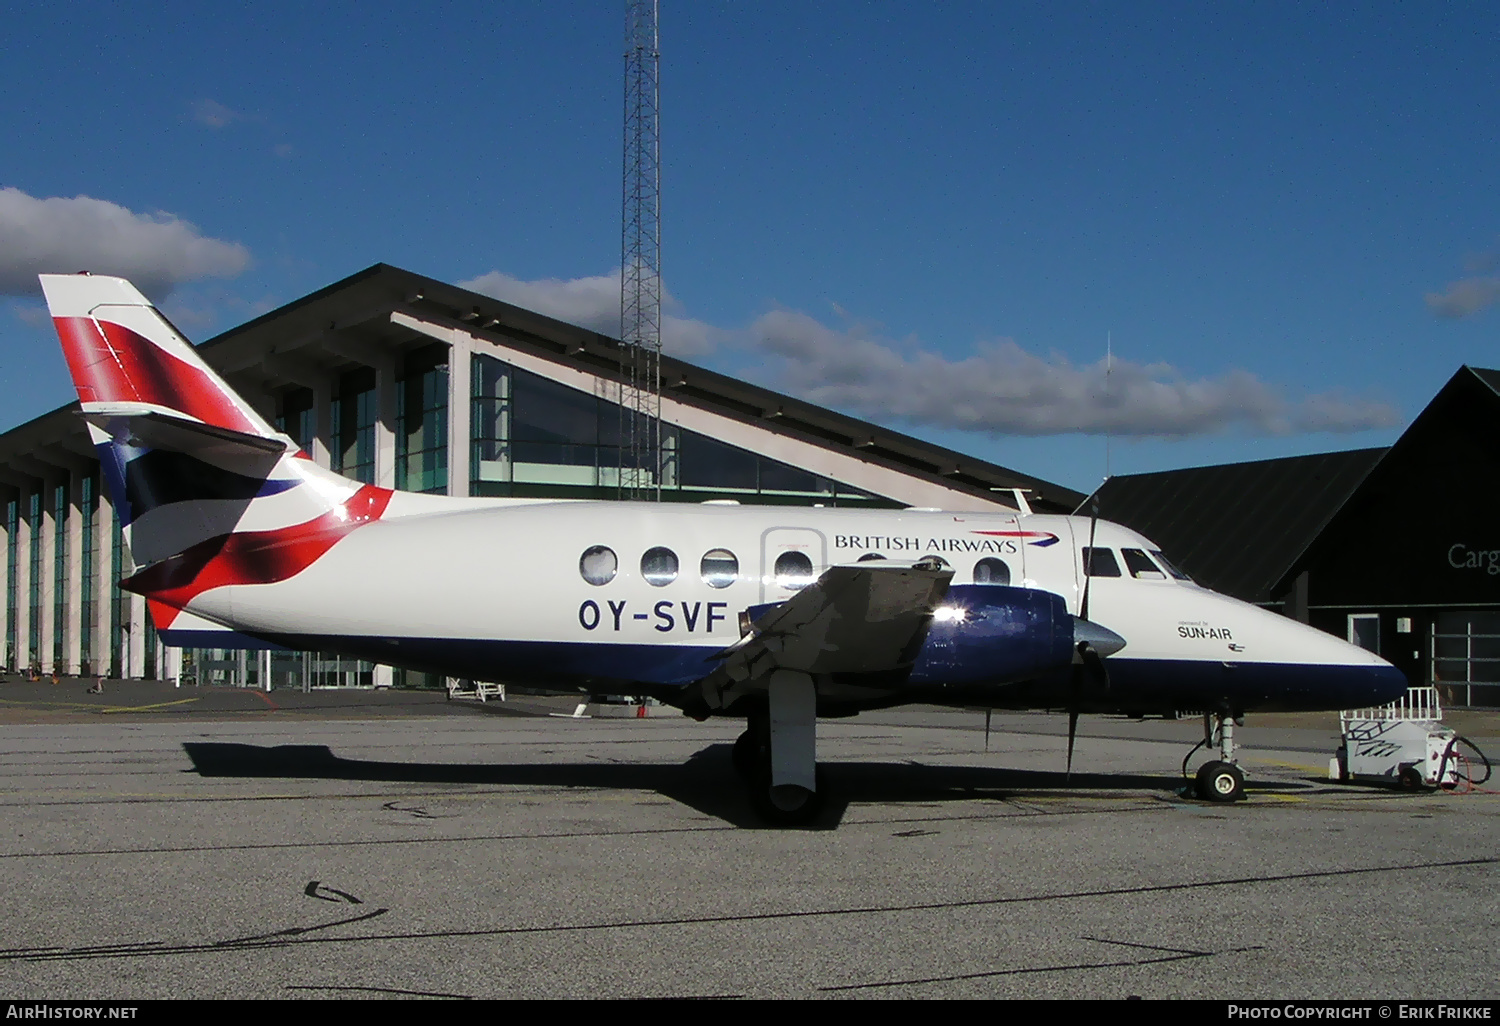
x: 640, y: 261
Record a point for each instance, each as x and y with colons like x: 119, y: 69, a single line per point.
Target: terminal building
x: 1397, y: 549
x: 399, y: 380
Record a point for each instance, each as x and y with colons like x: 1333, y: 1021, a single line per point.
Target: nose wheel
x: 1220, y: 780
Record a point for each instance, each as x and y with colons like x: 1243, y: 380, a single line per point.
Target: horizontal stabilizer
x: 153, y: 429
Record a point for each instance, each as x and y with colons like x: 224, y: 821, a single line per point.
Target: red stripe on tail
x: 254, y: 557
x: 121, y: 366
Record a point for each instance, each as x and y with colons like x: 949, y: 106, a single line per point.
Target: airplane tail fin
x: 127, y: 358
x: 194, y: 471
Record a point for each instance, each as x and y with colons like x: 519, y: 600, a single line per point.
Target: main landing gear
x: 777, y: 753
x: 1219, y: 780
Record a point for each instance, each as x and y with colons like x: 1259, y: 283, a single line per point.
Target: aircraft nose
x: 1384, y: 684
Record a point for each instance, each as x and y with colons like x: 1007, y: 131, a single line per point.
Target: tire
x: 1221, y: 782
x: 1410, y: 780
x: 786, y: 809
x: 745, y: 754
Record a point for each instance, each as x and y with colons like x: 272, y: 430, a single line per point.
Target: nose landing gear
x: 1219, y: 780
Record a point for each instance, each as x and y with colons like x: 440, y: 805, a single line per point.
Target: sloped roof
x: 1446, y: 456
x: 371, y: 294
x: 360, y: 306
x: 1238, y: 527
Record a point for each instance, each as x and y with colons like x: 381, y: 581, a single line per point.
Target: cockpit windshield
x: 1168, y: 567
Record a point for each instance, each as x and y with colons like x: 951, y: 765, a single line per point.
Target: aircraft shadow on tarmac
x: 706, y: 782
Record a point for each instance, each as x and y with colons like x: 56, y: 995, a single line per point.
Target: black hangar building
x: 1397, y: 549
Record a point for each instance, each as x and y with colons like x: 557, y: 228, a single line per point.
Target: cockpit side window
x: 1100, y: 563
x: 1140, y: 566
x: 1168, y: 567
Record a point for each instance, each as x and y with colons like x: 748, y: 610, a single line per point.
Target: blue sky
x: 1283, y: 217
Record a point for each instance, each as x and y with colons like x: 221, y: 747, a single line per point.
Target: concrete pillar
x: 138, y: 628
x: 104, y: 580
x: 460, y: 359
x: 23, y: 582
x: 7, y: 657
x: 385, y: 421
x: 73, y: 619
x: 322, y: 444
x: 170, y: 662
x: 50, y: 538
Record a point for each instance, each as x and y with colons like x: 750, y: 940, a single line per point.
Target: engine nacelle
x: 986, y: 633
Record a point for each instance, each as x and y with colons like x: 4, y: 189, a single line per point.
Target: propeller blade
x: 1072, y: 733
x: 1088, y: 570
x: 1094, y: 663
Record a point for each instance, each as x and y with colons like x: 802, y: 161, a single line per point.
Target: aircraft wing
x: 860, y: 618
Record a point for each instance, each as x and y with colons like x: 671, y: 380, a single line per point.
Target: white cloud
x: 594, y: 303
x: 1000, y: 389
x: 1003, y: 389
x: 1465, y: 296
x: 1470, y: 295
x: 34, y: 314
x: 59, y: 235
x: 214, y: 114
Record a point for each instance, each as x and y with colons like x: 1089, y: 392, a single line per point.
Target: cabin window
x: 659, y: 567
x: 1169, y: 567
x: 599, y: 564
x: 1140, y: 566
x: 794, y: 570
x: 719, y: 568
x: 1100, y: 563
x: 990, y: 570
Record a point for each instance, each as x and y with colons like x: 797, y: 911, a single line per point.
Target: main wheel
x: 745, y: 754
x: 1221, y: 782
x: 786, y: 805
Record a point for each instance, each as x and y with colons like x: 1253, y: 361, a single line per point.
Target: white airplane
x: 772, y: 614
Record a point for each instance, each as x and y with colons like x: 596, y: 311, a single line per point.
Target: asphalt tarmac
x: 393, y: 844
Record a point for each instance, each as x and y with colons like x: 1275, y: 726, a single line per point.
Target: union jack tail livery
x: 205, y: 489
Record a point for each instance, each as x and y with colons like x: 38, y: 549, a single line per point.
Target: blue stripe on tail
x: 141, y: 480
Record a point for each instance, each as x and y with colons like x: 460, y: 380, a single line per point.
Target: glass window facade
x: 59, y: 574
x: 355, y: 408
x: 299, y: 418
x: 34, y: 533
x: 535, y: 437
x: 12, y: 544
x: 422, y: 419
x: 119, y: 602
